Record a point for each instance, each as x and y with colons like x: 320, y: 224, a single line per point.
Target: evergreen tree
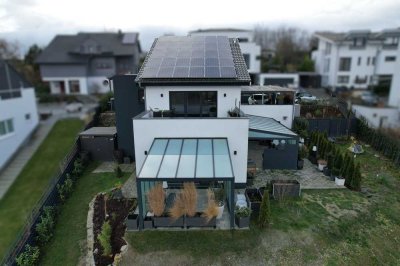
x: 349, y: 175
x: 337, y: 163
x: 264, y: 217
x: 357, y: 178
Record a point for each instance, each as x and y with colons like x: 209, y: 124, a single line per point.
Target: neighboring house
x: 280, y: 79
x: 18, y: 112
x: 358, y: 59
x: 192, y: 128
x: 251, y: 51
x: 79, y: 64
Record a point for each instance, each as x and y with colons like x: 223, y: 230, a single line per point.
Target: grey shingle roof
x: 242, y: 74
x: 10, y: 79
x: 66, y: 48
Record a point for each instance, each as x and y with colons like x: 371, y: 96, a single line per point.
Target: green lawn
x: 69, y: 241
x: 33, y: 180
x: 323, y: 227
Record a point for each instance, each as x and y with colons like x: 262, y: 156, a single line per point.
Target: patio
x: 309, y: 177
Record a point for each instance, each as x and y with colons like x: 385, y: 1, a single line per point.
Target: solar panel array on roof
x: 190, y: 57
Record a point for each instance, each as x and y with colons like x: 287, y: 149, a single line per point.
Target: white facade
x: 236, y: 130
x: 379, y: 117
x: 22, y: 111
x: 281, y: 113
x: 378, y: 56
x: 56, y: 84
x: 227, y: 96
x: 250, y: 50
x: 290, y: 80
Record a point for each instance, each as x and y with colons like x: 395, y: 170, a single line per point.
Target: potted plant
x: 242, y: 216
x: 219, y: 194
x: 148, y: 221
x: 303, y: 152
x: 336, y: 172
x: 254, y: 199
x: 132, y: 221
x: 322, y: 164
x: 211, y: 211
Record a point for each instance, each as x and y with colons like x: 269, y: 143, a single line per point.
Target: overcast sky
x: 37, y: 21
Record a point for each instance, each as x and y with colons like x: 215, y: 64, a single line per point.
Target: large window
x: 74, y: 86
x: 193, y: 103
x: 267, y: 98
x: 390, y: 58
x: 6, y: 127
x: 345, y: 64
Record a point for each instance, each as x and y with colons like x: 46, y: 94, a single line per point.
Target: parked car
x: 305, y: 97
x: 369, y: 98
x: 74, y: 107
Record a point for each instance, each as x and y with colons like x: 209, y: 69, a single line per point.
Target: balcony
x: 170, y: 114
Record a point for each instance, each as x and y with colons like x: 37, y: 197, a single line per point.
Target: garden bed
x: 115, y: 211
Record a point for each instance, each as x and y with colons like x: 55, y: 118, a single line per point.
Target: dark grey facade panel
x: 285, y: 158
x: 278, y: 81
x: 64, y: 70
x: 100, y: 148
x: 127, y: 106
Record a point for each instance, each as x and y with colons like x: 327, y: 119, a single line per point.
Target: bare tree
x: 8, y: 50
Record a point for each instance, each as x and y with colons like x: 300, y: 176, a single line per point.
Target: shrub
x: 211, y: 210
x: 29, y: 257
x: 178, y: 209
x: 264, y: 217
x: 242, y: 211
x: 65, y: 189
x: 337, y: 163
x: 45, y: 227
x: 189, y: 197
x: 78, y: 168
x: 357, y: 178
x: 105, y: 238
x: 156, y: 199
x: 118, y: 171
x: 104, y: 102
x: 303, y: 152
x: 300, y: 126
x: 331, y: 160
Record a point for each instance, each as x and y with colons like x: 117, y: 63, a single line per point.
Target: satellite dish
x: 106, y: 82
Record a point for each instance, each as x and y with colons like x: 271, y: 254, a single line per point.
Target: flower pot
x: 199, y: 221
x: 148, y: 223
x: 321, y: 164
x: 132, y: 222
x: 300, y: 164
x: 332, y: 177
x: 166, y: 221
x: 242, y: 222
x: 327, y: 171
x: 220, y: 211
x: 339, y: 181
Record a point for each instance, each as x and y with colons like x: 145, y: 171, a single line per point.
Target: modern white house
x: 79, y: 64
x: 195, y: 127
x: 251, y: 51
x: 18, y: 112
x: 359, y: 59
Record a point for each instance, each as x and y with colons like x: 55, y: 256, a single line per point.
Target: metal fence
x: 27, y: 234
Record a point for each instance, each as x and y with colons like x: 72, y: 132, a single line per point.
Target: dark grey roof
x: 67, y: 48
x: 10, y: 79
x: 344, y: 36
x: 270, y: 125
x: 242, y: 75
x: 267, y: 88
x: 99, y: 131
x: 219, y: 30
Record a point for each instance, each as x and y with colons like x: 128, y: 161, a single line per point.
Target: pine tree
x: 337, y: 163
x: 357, y: 178
x: 264, y: 217
x: 349, y: 175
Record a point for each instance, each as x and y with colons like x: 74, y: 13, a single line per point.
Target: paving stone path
x: 309, y: 177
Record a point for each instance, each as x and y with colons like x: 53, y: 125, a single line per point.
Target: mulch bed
x: 117, y: 210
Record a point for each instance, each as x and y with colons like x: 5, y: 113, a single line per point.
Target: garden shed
x: 99, y: 142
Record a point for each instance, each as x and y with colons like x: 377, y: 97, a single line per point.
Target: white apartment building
x: 357, y: 59
x: 250, y: 50
x: 18, y: 112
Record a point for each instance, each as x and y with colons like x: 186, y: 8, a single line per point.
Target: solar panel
x: 190, y: 57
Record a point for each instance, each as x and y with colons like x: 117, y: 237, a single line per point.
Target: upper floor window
x: 345, y: 64
x: 391, y: 42
x: 103, y: 65
x: 247, y: 60
x: 373, y: 60
x: 390, y: 58
x: 243, y: 39
x: 6, y: 127
x: 368, y: 60
x: 359, y: 42
x: 328, y: 48
x: 361, y: 80
x: 359, y: 61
